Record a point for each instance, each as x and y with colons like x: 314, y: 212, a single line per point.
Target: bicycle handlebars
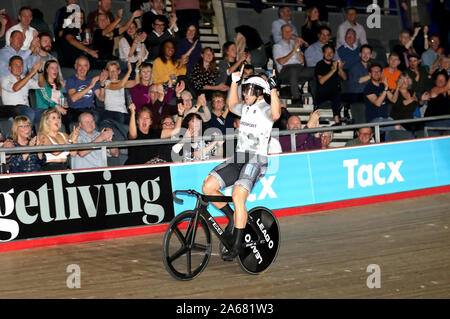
x: 205, y: 198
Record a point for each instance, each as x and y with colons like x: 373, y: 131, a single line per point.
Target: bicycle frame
x: 201, y: 209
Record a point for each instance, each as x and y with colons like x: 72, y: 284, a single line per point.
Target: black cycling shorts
x: 242, y: 169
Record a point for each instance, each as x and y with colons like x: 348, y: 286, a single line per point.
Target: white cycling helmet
x: 255, y: 85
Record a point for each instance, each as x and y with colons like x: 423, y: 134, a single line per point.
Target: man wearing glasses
x: 363, y: 137
x: 314, y: 52
x: 157, y: 35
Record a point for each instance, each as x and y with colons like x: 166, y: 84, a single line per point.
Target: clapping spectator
x: 166, y: 67
x: 15, y: 89
x: 25, y: 17
x: 358, y: 76
x: 132, y: 47
x: 290, y: 61
x: 421, y: 80
x: 205, y: 73
x: 439, y: 103
x: 378, y: 98
x: 50, y: 134
x: 329, y: 74
x: 391, y: 73
x: 105, y: 31
x: 221, y: 118
x: 407, y: 102
x: 190, y: 43
x: 82, y: 91
x: 200, y: 106
x: 21, y: 136
x: 140, y: 129
x: 199, y: 150
x: 115, y: 104
x: 89, y: 134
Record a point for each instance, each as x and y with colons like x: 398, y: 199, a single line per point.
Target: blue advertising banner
x: 309, y: 178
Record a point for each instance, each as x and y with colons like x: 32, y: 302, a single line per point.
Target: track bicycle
x: 187, y: 241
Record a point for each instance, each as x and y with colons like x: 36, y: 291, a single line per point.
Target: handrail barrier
x: 125, y: 144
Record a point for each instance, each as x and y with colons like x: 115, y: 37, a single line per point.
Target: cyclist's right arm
x: 233, y: 97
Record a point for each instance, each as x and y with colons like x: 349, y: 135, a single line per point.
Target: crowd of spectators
x: 156, y: 79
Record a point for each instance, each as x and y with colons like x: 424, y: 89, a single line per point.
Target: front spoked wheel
x: 186, y: 246
x: 261, y: 241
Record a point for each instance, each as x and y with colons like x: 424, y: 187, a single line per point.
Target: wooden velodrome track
x: 322, y: 255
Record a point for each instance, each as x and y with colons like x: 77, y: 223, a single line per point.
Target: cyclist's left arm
x: 275, y: 105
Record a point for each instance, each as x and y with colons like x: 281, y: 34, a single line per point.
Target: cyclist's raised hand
x: 236, y: 76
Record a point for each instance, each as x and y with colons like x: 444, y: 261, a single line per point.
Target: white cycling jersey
x: 255, y: 128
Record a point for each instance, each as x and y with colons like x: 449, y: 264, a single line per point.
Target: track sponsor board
x: 309, y: 178
x: 33, y: 206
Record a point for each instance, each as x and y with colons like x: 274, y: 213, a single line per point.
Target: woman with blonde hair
x: 407, y: 101
x: 21, y: 136
x: 312, y: 24
x: 50, y: 134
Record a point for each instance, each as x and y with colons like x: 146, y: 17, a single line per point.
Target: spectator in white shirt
x: 290, y: 61
x: 15, y: 90
x: 351, y: 23
x: 14, y: 49
x: 25, y: 17
x: 284, y: 17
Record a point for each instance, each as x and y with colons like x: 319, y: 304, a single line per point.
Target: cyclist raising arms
x: 250, y: 157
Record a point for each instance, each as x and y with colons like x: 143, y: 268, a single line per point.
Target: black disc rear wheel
x: 262, y: 225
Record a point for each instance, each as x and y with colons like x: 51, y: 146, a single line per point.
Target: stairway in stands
x: 326, y: 119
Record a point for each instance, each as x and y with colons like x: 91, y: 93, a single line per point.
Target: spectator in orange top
x: 391, y: 72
